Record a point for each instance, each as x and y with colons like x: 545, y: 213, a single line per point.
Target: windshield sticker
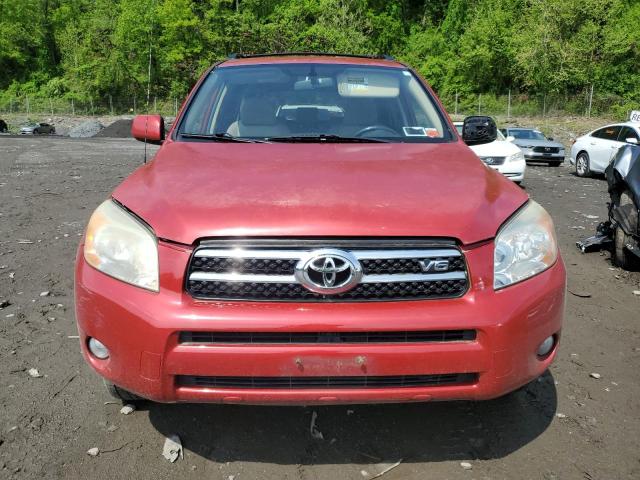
x: 421, y: 132
x: 414, y: 131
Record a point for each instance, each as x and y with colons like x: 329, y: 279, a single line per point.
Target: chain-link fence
x: 510, y: 104
x: 513, y: 104
x: 33, y: 105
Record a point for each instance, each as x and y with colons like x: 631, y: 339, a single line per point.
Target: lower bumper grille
x: 392, y: 381
x: 433, y: 336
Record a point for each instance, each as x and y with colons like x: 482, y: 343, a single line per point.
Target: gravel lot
x: 568, y: 425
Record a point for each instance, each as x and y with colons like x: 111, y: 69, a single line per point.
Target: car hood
x: 497, y: 148
x: 193, y: 190
x: 537, y: 143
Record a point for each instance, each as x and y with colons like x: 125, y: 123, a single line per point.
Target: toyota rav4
x: 314, y: 230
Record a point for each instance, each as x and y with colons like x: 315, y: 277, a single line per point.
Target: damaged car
x: 314, y: 230
x: 621, y: 232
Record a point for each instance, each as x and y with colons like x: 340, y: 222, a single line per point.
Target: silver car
x: 535, y: 146
x: 37, y: 128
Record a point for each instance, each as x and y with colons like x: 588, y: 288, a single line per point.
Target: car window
x: 293, y: 100
x: 627, y: 132
x: 607, y: 133
x: 525, y: 134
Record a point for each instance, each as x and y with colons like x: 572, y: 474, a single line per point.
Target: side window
x: 608, y: 133
x: 627, y: 132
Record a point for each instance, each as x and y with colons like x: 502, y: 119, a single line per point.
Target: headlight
x: 119, y: 245
x: 525, y: 246
x: 515, y: 157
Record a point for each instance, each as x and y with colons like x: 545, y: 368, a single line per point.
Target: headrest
x: 258, y: 110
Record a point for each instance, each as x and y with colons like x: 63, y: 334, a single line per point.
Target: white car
x: 593, y: 152
x: 501, y: 155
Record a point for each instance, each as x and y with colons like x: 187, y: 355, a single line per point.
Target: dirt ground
x: 568, y: 425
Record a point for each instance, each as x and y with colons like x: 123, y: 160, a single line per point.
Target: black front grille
x: 266, y: 270
x: 493, y: 160
x: 266, y: 266
x: 296, y: 292
x: 546, y: 149
x: 432, y: 336
x: 290, y: 383
x: 382, y: 266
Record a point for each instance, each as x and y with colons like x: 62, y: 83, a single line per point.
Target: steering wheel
x: 373, y: 128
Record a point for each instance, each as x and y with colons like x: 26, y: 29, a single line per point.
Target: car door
x: 603, y: 144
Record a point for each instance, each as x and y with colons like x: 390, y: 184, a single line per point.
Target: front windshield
x: 527, y: 134
x: 286, y: 101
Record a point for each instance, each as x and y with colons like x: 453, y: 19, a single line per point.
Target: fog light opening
x: 545, y: 347
x: 98, y: 349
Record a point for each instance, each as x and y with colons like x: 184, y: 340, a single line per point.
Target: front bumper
x: 141, y: 330
x: 512, y: 170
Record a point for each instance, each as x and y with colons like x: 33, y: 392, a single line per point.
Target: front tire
x: 622, y: 257
x: 583, y: 168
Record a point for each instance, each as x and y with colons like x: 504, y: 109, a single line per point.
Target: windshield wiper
x: 220, y: 137
x: 325, y: 138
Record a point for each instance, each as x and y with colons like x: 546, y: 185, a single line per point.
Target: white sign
x: 635, y: 116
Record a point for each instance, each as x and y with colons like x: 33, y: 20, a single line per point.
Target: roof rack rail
x: 233, y: 56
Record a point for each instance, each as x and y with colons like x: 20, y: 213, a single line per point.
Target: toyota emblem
x: 329, y: 271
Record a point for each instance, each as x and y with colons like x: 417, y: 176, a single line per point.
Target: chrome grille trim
x: 397, y: 278
x: 237, y: 277
x: 300, y: 254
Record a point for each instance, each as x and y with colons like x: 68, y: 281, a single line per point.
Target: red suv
x: 314, y: 230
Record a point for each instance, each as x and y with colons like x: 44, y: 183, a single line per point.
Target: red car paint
x: 192, y: 191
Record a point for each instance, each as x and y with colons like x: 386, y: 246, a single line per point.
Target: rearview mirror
x: 632, y: 140
x: 477, y: 130
x: 149, y: 128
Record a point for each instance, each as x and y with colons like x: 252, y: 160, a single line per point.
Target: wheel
x: 120, y: 393
x: 622, y: 257
x: 582, y: 165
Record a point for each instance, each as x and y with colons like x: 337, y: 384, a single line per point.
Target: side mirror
x: 477, y: 130
x: 511, y: 138
x: 632, y: 140
x: 149, y: 128
x: 550, y: 139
